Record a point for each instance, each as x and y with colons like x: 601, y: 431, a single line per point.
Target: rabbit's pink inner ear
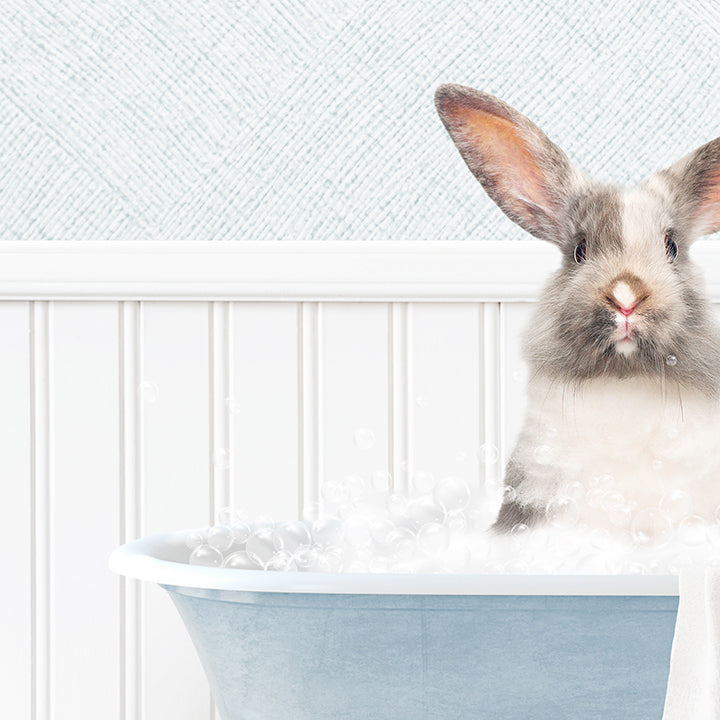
x: 708, y: 217
x: 497, y: 152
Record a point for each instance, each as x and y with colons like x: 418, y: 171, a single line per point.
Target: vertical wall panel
x: 85, y: 509
x: 176, y: 458
x: 446, y: 368
x: 355, y: 389
x: 513, y: 373
x: 16, y: 510
x: 263, y: 404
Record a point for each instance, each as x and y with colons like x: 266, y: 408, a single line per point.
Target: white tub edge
x: 143, y: 560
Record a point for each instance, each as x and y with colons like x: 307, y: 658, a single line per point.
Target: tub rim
x: 146, y: 559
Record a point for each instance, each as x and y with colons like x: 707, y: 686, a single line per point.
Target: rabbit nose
x: 626, y: 293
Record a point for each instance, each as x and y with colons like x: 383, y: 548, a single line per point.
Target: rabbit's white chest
x: 632, y: 438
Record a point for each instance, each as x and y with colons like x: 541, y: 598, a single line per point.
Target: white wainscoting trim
x: 294, y: 271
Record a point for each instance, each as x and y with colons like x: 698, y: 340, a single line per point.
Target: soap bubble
x: 263, y: 544
x: 149, y: 392
x: 519, y: 531
x: 380, y: 529
x: 433, y: 538
x: 206, y: 555
x: 364, y: 438
x: 671, y: 361
x: 281, y: 561
x: 544, y: 454
x: 221, y: 458
x: 334, y: 492
x: 220, y: 537
x: 675, y: 505
x: 612, y: 500
x: 452, y: 493
x: 240, y: 560
x: 241, y: 533
x: 575, y: 490
x: 306, y: 557
x: 691, y: 531
x: 402, y: 541
x: 424, y: 510
x: 382, y: 481
x: 562, y: 512
x: 397, y: 505
x: 357, y: 532
x: 194, y: 539
x: 651, y: 529
x: 456, y: 521
x: 509, y: 495
x: 620, y: 516
x: 422, y: 401
x: 327, y: 531
x: 294, y: 534
x: 594, y: 497
x: 423, y: 482
x: 234, y: 407
x: 488, y: 454
x: 228, y: 517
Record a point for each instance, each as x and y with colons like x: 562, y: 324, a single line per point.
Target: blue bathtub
x: 314, y: 646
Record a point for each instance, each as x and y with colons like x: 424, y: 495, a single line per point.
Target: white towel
x: 693, y: 691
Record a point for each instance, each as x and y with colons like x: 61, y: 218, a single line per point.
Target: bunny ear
x: 696, y: 179
x: 528, y: 176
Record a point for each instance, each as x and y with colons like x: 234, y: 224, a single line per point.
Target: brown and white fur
x: 623, y: 349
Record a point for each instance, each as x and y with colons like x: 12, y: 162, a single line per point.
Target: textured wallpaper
x: 291, y: 120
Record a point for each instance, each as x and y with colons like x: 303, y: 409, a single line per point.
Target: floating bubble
x: 562, y: 512
x: 650, y: 529
x: 574, y: 489
x: 620, y: 516
x: 509, y: 495
x: 452, y: 493
x: 228, y: 517
x: 364, y: 438
x: 456, y: 521
x: 403, y: 543
x: 433, y: 538
x: 424, y: 510
x: 221, y: 458
x: 294, y: 535
x: 220, y: 537
x: 396, y: 505
x: 422, y: 401
x: 595, y: 497
x: 381, y: 481
x: 488, y: 454
x: 692, y: 531
x: 675, y: 505
x: 241, y: 533
x: 423, y: 482
x: 263, y: 544
x: 612, y: 500
x: 334, y: 492
x: 195, y: 538
x: 327, y: 531
x: 544, y: 454
x: 240, y: 560
x: 281, y: 561
x: 149, y: 392
x: 671, y: 361
x: 206, y: 555
x: 519, y: 530
x: 357, y: 532
x: 233, y: 406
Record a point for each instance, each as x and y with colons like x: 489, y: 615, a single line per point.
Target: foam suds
x: 443, y: 527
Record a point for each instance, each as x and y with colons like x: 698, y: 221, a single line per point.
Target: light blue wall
x: 186, y: 120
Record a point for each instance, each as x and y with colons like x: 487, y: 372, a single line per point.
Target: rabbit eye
x: 671, y: 248
x: 580, y: 251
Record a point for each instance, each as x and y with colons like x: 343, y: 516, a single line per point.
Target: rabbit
x: 623, y: 350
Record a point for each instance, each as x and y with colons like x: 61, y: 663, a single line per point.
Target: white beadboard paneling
x: 355, y: 390
x: 514, y: 318
x: 263, y: 405
x: 176, y: 460
x: 445, y: 392
x: 16, y: 651
x: 85, y: 509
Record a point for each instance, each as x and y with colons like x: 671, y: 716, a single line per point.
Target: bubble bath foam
x: 302, y: 645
